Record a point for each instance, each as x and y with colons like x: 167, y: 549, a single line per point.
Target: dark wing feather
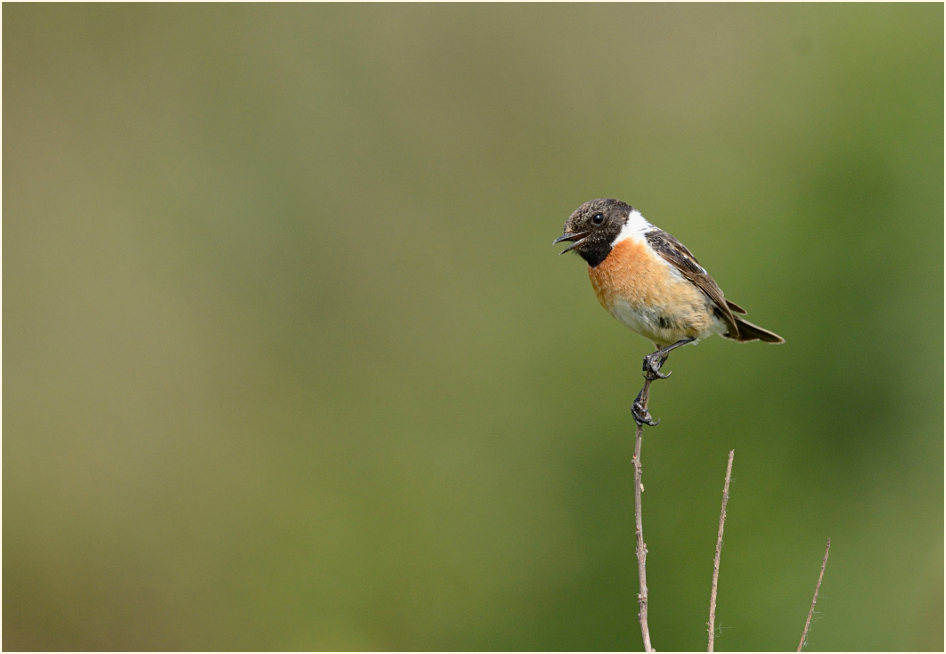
x: 683, y: 260
x: 735, y: 308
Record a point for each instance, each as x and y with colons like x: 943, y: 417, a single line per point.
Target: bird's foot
x: 652, y: 365
x: 640, y: 412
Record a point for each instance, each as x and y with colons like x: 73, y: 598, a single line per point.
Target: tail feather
x: 750, y: 332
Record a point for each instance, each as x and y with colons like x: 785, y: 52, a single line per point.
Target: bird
x: 650, y: 282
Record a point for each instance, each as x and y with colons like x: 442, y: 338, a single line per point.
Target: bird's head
x: 593, y: 227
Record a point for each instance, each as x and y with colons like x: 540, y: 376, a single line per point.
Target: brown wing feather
x: 735, y: 308
x: 683, y: 260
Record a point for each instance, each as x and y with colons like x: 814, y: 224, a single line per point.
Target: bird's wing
x: 735, y: 308
x: 683, y: 260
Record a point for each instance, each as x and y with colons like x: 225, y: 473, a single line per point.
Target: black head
x: 593, y: 227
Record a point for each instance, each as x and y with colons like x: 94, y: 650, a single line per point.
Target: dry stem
x: 638, y: 525
x: 711, y: 625
x: 811, y: 611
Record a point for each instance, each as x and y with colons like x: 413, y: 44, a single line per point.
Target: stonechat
x: 649, y: 281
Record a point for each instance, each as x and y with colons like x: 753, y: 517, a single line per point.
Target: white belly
x: 662, y: 327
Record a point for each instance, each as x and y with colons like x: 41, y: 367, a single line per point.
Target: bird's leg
x: 656, y: 359
x: 639, y: 408
x: 652, y: 364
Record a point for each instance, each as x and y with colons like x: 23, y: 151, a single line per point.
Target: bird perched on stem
x: 651, y: 282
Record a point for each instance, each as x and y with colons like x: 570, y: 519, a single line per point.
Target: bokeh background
x: 290, y: 361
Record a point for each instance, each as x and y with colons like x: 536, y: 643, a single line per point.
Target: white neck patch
x: 635, y: 227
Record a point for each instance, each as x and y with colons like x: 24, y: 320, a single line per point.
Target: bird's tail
x: 750, y: 332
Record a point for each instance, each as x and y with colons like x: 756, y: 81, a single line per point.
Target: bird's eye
x: 598, y: 218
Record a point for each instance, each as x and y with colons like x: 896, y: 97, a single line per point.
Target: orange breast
x: 643, y: 291
x: 635, y: 273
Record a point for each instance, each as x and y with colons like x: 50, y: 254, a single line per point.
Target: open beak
x: 577, y: 237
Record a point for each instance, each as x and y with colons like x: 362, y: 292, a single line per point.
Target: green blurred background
x: 291, y: 361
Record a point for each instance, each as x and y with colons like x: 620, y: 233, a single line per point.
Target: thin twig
x: 711, y: 625
x: 638, y: 525
x: 811, y: 611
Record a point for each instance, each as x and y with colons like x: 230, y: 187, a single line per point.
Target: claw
x: 652, y: 365
x: 643, y: 419
x: 641, y: 414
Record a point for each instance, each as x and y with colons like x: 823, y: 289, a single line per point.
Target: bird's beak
x: 577, y: 237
